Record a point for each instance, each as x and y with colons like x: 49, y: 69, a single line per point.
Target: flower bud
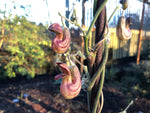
x: 124, y: 4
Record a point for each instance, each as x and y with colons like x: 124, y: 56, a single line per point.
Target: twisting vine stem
x: 100, y: 69
x: 99, y: 91
x: 96, y: 16
x: 91, y: 26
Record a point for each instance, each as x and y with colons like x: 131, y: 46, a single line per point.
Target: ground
x: 43, y: 96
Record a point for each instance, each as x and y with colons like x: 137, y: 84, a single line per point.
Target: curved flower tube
x: 71, y: 80
x: 123, y: 28
x: 61, y: 42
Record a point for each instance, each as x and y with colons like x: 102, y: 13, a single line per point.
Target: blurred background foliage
x: 132, y: 79
x: 24, y: 47
x: 25, y: 50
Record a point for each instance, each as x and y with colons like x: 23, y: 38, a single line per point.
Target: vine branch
x: 99, y: 91
x: 100, y: 69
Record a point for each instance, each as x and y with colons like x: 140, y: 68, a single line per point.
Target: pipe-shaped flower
x: 61, y: 42
x: 123, y: 28
x: 71, y: 80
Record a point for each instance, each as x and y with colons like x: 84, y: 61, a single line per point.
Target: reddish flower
x: 71, y: 80
x: 61, y: 42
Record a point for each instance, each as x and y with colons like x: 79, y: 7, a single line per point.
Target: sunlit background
x: 46, y: 11
x: 28, y: 62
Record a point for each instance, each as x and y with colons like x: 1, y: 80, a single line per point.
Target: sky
x: 134, y: 6
x: 38, y: 12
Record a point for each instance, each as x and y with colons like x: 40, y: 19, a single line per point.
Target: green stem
x: 62, y: 22
x: 81, y: 55
x: 99, y: 92
x: 78, y: 53
x: 100, y: 68
x: 90, y: 28
x: 95, y: 17
x: 86, y: 46
x: 94, y: 7
x: 74, y: 11
x: 86, y: 72
x: 77, y: 23
x: 113, y: 13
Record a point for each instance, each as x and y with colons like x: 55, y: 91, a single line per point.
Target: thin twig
x: 75, y: 23
x: 78, y: 53
x: 78, y: 62
x: 66, y: 18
